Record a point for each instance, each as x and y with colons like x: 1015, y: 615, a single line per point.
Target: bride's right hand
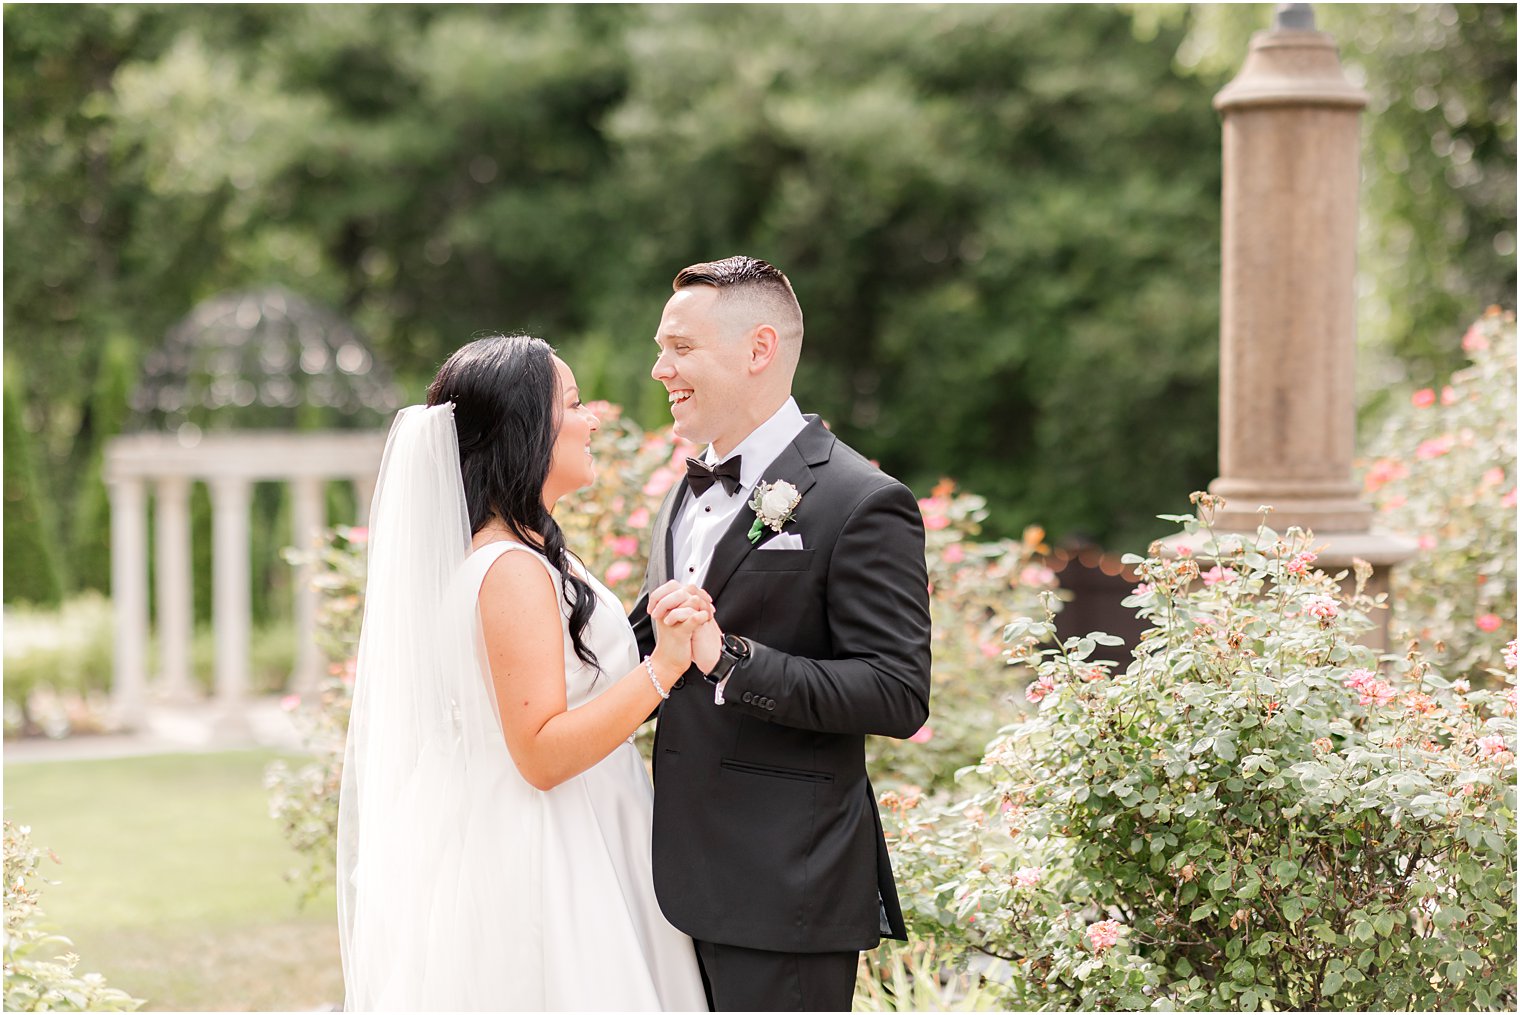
x: 678, y: 612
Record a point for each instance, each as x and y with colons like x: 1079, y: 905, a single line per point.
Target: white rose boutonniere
x: 773, y: 505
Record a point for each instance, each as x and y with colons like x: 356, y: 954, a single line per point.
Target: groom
x: 768, y: 848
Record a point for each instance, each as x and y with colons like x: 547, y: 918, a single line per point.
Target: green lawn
x: 171, y: 884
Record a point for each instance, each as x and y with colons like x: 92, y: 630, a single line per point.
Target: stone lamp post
x: 1287, y: 331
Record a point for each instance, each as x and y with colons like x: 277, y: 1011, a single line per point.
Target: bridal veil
x: 428, y: 804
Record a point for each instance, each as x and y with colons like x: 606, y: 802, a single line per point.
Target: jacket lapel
x: 811, y: 447
x: 662, y: 546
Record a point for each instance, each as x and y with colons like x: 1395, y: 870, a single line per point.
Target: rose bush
x: 1255, y: 811
x: 39, y: 966
x: 1442, y: 471
x: 303, y: 798
x: 974, y: 587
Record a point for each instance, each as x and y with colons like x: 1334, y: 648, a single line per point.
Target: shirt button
x: 708, y: 509
x: 691, y: 570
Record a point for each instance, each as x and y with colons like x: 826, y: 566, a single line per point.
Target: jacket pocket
x: 777, y: 560
x: 775, y: 771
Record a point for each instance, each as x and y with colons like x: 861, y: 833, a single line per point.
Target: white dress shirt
x: 701, y: 521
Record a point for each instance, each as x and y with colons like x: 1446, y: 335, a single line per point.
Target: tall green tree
x: 31, y: 567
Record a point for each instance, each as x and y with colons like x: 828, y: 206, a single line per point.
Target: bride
x: 494, y: 817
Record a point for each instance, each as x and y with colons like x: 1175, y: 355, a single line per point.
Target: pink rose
x: 1424, y: 398
x: 1474, y: 340
x: 954, y: 553
x: 1448, y: 396
x: 290, y: 702
x: 1435, y: 447
x: 359, y: 535
x: 1423, y: 704
x: 1036, y: 575
x: 1370, y: 689
x: 1383, y: 472
x: 935, y: 522
x: 1092, y: 674
x: 639, y: 519
x: 1028, y: 877
x: 923, y: 736
x: 1322, y: 745
x: 1300, y: 563
x: 1217, y: 574
x: 1489, y: 622
x: 1511, y: 655
x: 1104, y: 934
x: 1492, y: 747
x: 625, y: 546
x: 1322, y: 608
x: 618, y: 571
x: 1508, y: 499
x: 991, y: 649
x: 1426, y: 541
x: 1036, y: 691
x: 1143, y: 589
x: 660, y: 482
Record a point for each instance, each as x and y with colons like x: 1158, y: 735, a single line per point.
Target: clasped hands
x: 685, y: 627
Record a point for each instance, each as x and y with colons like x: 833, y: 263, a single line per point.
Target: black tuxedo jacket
x: 766, y: 833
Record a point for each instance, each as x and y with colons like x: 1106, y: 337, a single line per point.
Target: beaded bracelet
x: 649, y: 668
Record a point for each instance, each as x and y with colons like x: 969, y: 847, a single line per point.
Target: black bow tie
x: 701, y: 476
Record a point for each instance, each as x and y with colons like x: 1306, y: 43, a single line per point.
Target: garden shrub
x: 57, y: 665
x: 39, y: 966
x: 1255, y: 812
x: 1442, y: 472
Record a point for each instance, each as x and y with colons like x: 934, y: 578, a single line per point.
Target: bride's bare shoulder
x: 517, y: 581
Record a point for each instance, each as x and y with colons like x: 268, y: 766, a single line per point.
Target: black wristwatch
x: 736, y: 652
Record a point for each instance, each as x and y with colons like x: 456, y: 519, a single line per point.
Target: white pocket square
x: 783, y: 541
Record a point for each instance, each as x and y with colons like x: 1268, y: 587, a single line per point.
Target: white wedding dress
x: 585, y: 932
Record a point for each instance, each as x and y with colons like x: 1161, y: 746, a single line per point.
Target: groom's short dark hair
x: 753, y: 278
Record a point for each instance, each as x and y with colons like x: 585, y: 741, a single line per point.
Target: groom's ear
x: 763, y: 345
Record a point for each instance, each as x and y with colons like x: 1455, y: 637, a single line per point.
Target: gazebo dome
x: 262, y: 359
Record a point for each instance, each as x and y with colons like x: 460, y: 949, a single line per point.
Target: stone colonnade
x: 229, y: 464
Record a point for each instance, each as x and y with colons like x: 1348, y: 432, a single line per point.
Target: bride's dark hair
x: 507, y: 414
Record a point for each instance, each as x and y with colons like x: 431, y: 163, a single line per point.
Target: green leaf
x: 1331, y: 983
x: 1224, y: 749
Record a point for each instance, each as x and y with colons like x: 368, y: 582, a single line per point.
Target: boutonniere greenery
x: 773, y: 505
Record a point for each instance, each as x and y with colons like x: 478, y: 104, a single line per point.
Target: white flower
x: 778, y: 500
x: 773, y: 504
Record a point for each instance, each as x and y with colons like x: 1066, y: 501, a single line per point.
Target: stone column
x: 231, y: 499
x: 308, y: 514
x: 175, y: 589
x: 1287, y: 330
x: 129, y: 598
